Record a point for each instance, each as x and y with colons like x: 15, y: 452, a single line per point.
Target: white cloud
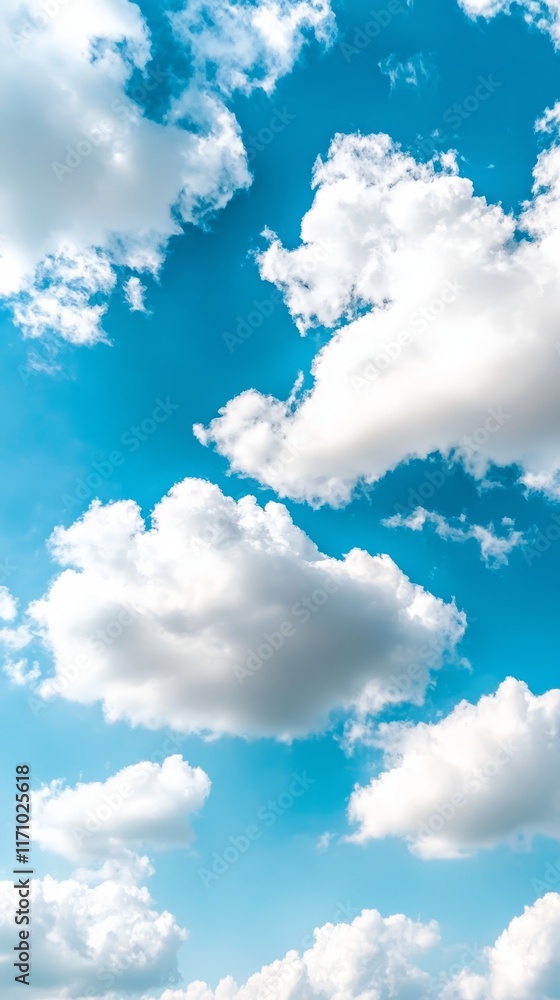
x: 20, y: 673
x: 83, y: 939
x: 225, y: 617
x: 89, y: 183
x: 494, y: 549
x: 372, y: 958
x: 543, y: 14
x: 15, y: 638
x: 134, y: 292
x: 250, y: 45
x: 486, y: 774
x: 524, y: 963
x: 411, y: 72
x: 8, y: 605
x: 145, y: 804
x: 324, y: 841
x: 457, y: 350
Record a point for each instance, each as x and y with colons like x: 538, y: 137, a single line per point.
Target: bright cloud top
x: 250, y: 45
x: 494, y: 549
x: 523, y: 964
x: 104, y: 938
x: 145, y: 804
x: 371, y: 957
x: 225, y: 618
x: 484, y: 775
x: 457, y: 351
x: 89, y: 183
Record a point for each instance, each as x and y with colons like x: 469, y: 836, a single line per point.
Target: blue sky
x: 68, y: 407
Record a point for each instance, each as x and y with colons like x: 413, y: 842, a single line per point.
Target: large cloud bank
x: 452, y: 339
x: 224, y: 617
x: 90, y: 184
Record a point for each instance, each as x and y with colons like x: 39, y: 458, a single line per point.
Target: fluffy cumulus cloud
x: 448, y: 340
x: 250, y: 44
x: 225, y: 617
x: 144, y: 804
x: 523, y: 964
x: 486, y: 774
x: 91, y: 184
x: 92, y: 941
x: 543, y: 14
x: 372, y: 957
x: 494, y: 549
x: 134, y: 292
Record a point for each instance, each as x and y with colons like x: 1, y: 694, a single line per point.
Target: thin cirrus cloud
x: 142, y: 805
x: 225, y: 618
x: 482, y: 776
x: 494, y: 548
x: 449, y: 335
x: 415, y: 71
x: 90, y: 185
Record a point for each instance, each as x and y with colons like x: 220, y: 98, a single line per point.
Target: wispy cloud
x: 494, y: 549
x: 412, y: 72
